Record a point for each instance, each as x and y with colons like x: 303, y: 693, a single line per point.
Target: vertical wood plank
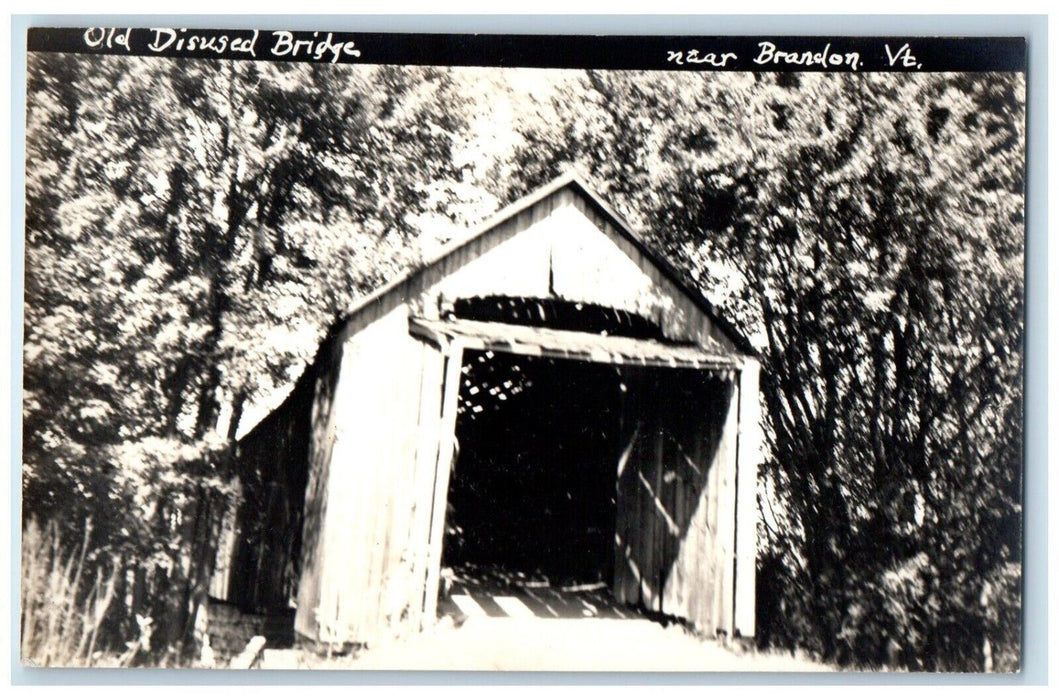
x: 426, y: 466
x: 451, y: 391
x: 641, y: 527
x: 623, y: 585
x: 373, y: 473
x: 348, y: 550
x: 321, y: 445
x: 748, y: 458
x: 405, y: 590
x: 389, y: 483
x: 656, y: 502
x: 726, y: 515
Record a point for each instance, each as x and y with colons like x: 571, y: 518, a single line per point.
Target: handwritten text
x: 770, y: 54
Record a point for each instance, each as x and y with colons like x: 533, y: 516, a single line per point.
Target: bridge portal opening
x: 532, y: 492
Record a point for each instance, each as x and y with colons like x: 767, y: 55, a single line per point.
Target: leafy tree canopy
x: 193, y: 227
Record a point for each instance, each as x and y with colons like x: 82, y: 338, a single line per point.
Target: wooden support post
x: 430, y: 397
x: 446, y: 452
x: 749, y: 454
x: 726, y: 511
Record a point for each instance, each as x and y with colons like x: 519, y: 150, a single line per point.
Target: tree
x: 868, y: 231
x: 192, y: 228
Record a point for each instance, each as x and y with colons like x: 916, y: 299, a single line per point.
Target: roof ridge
x: 567, y: 178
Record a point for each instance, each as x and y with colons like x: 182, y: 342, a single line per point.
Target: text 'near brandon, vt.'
x: 771, y: 55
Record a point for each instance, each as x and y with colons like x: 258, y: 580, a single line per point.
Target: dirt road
x: 490, y: 624
x: 530, y: 644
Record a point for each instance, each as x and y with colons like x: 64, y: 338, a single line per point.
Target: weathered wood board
x: 359, y: 454
x: 673, y: 539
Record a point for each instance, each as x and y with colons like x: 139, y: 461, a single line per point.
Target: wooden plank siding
x: 258, y: 562
x: 673, y: 539
x: 321, y: 445
x: 443, y: 469
x: 370, y: 568
x: 746, y: 516
x: 561, y: 230
x: 368, y: 435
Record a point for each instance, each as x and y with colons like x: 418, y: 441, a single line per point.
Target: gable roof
x: 400, y: 290
x: 389, y: 295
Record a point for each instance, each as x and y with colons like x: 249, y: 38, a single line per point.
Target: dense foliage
x: 194, y: 227
x: 867, y: 230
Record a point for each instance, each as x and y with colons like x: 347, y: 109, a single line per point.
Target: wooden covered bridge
x: 544, y: 396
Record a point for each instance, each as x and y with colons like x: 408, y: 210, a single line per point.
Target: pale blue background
x: 1034, y: 28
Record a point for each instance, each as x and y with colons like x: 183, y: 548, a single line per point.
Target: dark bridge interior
x: 587, y: 475
x: 583, y: 476
x: 533, y: 488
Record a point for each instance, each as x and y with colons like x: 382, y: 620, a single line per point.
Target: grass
x: 63, y: 603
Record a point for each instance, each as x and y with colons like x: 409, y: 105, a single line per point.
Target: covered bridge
x: 545, y: 395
